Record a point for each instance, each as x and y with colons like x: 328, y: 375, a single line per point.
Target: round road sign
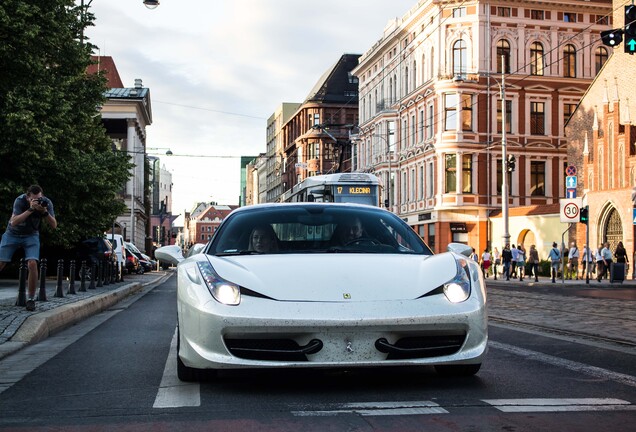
x: 571, y: 211
x: 570, y: 170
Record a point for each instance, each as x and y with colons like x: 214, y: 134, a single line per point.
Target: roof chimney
x: 138, y: 83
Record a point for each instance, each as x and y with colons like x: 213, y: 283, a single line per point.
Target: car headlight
x: 457, y: 290
x: 224, y: 292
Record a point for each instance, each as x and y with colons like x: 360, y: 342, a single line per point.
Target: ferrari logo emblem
x: 346, y: 296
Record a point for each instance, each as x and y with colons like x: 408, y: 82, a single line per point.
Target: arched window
x: 414, y: 75
x: 621, y: 165
x: 432, y: 65
x: 390, y: 90
x: 395, y: 82
x: 536, y: 59
x: 601, y: 57
x: 459, y: 57
x: 424, y: 77
x: 610, y: 154
x: 503, y: 50
x: 569, y: 61
x: 406, y: 81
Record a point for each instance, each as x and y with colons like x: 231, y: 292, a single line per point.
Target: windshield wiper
x: 230, y: 252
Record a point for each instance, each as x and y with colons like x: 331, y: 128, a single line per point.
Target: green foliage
x: 49, y: 131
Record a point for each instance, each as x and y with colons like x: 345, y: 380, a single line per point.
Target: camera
x: 41, y: 201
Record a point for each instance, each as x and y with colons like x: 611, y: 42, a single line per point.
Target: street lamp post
x: 504, y: 157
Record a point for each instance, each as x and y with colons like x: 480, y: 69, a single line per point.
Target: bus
x: 360, y: 188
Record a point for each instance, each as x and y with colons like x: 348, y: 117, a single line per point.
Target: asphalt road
x: 115, y: 371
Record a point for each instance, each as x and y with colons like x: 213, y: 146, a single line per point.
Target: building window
x: 430, y: 181
x: 450, y: 111
x: 537, y: 118
x: 431, y: 236
x: 421, y: 126
x: 420, y: 189
x: 569, y: 17
x: 600, y: 56
x: 503, y: 50
x: 459, y: 12
x: 536, y: 14
x: 430, y: 122
x: 459, y: 57
x: 537, y: 178
x: 536, y: 59
x: 467, y: 173
x: 451, y: 173
x: 569, y: 61
x: 413, y: 135
x: 503, y: 11
x: 508, y: 116
x: 406, y: 81
x: 413, y: 185
x: 467, y: 112
x: 568, y: 110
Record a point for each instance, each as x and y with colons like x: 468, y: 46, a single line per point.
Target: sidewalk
x: 19, y: 327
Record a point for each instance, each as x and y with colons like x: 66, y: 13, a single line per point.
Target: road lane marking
x: 559, y: 405
x: 174, y: 393
x: 377, y: 409
x: 567, y: 364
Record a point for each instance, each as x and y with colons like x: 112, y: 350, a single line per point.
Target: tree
x: 50, y: 129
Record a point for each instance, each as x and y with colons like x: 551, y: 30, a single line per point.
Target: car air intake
x: 272, y: 349
x: 421, y: 346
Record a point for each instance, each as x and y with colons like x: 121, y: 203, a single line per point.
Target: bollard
x: 113, y: 274
x: 42, y: 292
x: 91, y: 285
x: 59, y: 291
x: 21, y: 301
x: 82, y: 287
x: 100, y: 274
x: 71, y: 278
x: 119, y: 272
x: 106, y: 273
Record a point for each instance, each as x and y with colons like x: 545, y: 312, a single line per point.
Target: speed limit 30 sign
x: 570, y: 209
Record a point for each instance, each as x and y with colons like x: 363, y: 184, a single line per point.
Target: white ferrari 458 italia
x: 313, y: 285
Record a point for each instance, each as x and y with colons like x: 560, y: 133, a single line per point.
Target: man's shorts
x: 12, y: 242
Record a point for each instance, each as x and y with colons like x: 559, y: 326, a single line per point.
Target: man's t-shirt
x: 31, y: 225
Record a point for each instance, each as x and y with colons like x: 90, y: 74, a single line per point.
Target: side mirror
x: 171, y: 254
x: 460, y: 248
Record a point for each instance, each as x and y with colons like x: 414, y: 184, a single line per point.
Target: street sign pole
x: 587, y: 251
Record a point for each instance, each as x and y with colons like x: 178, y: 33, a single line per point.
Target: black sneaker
x: 30, y: 304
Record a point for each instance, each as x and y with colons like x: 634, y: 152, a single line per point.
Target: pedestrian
x: 621, y: 256
x: 23, y: 232
x: 573, y: 261
x: 485, y: 262
x: 496, y: 256
x: 587, y: 263
x: 598, y: 257
x: 606, y: 256
x: 521, y: 261
x: 555, y: 259
x: 506, y: 258
x: 513, y: 264
x: 533, y: 259
x: 474, y: 256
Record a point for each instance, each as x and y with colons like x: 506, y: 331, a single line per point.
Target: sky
x: 218, y: 69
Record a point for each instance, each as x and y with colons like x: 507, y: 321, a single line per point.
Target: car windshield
x: 315, y: 228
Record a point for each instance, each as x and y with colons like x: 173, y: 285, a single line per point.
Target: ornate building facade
x: 432, y: 120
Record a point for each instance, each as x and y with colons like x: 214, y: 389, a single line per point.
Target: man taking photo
x: 23, y: 231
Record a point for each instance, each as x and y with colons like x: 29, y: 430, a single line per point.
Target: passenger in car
x: 263, y: 239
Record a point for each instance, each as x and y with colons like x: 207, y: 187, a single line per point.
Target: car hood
x: 338, y: 277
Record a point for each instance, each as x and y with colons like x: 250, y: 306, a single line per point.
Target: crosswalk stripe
x: 559, y: 405
x: 174, y: 393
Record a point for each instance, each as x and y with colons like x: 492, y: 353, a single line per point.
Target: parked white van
x: 118, y: 244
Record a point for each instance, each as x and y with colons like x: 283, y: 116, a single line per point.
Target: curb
x: 42, y: 325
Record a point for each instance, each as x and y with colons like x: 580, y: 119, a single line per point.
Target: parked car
x: 144, y: 261
x: 132, y: 263
x: 324, y: 285
x: 94, y: 250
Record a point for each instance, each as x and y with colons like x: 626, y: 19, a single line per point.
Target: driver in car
x: 351, y: 231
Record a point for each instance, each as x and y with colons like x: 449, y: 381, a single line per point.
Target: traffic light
x: 584, y: 215
x: 612, y: 37
x: 630, y: 29
x: 510, y: 166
